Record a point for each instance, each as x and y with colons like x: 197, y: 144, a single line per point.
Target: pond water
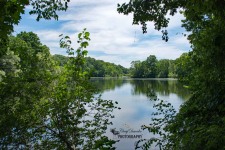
x: 134, y: 99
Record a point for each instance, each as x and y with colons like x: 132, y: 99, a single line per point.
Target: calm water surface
x: 134, y: 98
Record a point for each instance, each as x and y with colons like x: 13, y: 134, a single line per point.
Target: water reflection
x: 136, y: 107
x: 147, y: 87
x: 104, y: 84
x: 162, y: 87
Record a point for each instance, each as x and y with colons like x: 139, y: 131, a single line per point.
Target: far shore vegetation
x: 149, y: 68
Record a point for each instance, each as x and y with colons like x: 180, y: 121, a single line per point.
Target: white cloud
x: 113, y: 34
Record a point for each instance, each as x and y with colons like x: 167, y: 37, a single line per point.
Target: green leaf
x: 79, y: 35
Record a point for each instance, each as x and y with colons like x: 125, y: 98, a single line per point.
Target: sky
x: 113, y: 37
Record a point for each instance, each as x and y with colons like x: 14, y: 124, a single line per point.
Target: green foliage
x: 145, y: 69
x: 48, y: 9
x: 137, y: 69
x: 97, y: 68
x: 200, y: 122
x: 9, y: 64
x: 21, y: 93
x: 152, y: 68
x: 44, y: 106
x: 10, y: 15
x: 155, y: 11
x: 87, y: 117
x: 11, y: 12
x: 163, y: 68
x: 184, y: 67
x: 150, y: 65
x: 60, y: 59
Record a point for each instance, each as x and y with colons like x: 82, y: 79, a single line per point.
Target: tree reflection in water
x: 148, y: 87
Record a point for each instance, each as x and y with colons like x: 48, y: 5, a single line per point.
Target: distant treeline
x: 164, y: 68
x: 149, y: 68
x: 97, y: 68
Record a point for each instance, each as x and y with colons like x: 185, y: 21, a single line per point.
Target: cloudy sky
x: 113, y: 37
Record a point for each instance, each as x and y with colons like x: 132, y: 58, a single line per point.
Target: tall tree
x: 163, y: 68
x: 144, y: 69
x: 150, y: 65
x: 137, y: 69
